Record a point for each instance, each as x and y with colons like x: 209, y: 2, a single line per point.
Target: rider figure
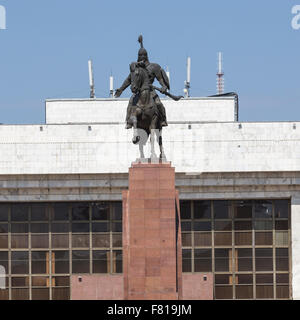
x: 155, y: 72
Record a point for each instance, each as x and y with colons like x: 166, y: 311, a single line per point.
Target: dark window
x: 202, y: 209
x: 221, y: 209
x: 242, y: 209
x: 39, y: 212
x: 4, y: 209
x: 19, y: 212
x: 185, y: 209
x: 116, y: 210
x: 281, y: 208
x: 80, y: 261
x: 100, y: 211
x: 80, y: 211
x: 202, y: 260
x: 60, y: 211
x: 263, y: 209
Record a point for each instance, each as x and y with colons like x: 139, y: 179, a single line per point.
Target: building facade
x: 61, y: 189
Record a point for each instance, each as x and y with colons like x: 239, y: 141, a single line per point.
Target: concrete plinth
x: 151, y: 234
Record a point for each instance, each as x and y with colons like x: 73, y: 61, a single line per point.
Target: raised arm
x: 125, y: 84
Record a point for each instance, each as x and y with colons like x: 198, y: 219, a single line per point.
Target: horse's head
x: 137, y: 77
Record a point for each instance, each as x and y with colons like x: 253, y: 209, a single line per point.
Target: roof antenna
x: 220, y: 75
x: 187, y: 83
x: 91, y: 78
x: 111, y: 86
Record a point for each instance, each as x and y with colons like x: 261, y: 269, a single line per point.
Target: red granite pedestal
x: 151, y: 234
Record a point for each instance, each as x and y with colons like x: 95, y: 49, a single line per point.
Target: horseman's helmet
x: 142, y: 54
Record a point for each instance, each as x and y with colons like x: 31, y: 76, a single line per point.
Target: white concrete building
x: 83, y: 152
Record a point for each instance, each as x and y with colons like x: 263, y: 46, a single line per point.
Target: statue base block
x: 151, y: 234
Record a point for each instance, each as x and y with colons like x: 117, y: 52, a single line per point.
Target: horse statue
x: 144, y: 115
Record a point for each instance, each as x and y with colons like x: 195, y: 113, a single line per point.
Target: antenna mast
x: 91, y: 78
x: 220, y: 75
x: 111, y: 86
x: 187, y: 83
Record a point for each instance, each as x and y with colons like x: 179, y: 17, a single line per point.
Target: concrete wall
x: 192, y: 147
x: 114, y: 110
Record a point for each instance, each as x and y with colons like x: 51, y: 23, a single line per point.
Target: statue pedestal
x: 151, y: 234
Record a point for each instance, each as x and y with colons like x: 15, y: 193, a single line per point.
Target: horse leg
x: 141, y: 147
x: 160, y: 143
x: 152, y: 136
x: 136, y: 138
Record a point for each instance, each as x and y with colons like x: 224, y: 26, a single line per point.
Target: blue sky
x: 46, y: 46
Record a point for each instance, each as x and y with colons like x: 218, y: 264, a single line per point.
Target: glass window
x: 265, y: 278
x: 19, y: 241
x: 264, y: 259
x: 243, y: 225
x: 223, y: 279
x: 186, y: 260
x: 60, y: 293
x: 60, y: 262
x: 186, y: 239
x: 4, y: 260
x: 80, y: 211
x: 264, y: 292
x: 202, y: 260
x: 202, y: 209
x: 4, y: 209
x: 263, y: 225
x: 39, y: 264
x: 244, y: 278
x: 223, y: 225
x: 243, y: 259
x: 20, y: 282
x: 20, y: 294
x: 263, y: 209
x: 80, y: 227
x: 223, y: 238
x: 19, y: 227
x: 282, y: 225
x: 19, y: 262
x: 39, y: 241
x: 221, y: 209
x: 281, y: 208
x: 223, y: 292
x: 202, y: 226
x: 60, y: 211
x: 244, y: 292
x: 116, y: 210
x: 185, y: 209
x: 202, y: 239
x: 263, y: 238
x: 282, y: 292
x: 282, y: 259
x: 19, y: 212
x: 223, y: 260
x: 60, y: 227
x: 100, y: 211
x: 80, y: 240
x: 60, y: 240
x: 117, y: 227
x: 61, y: 281
x: 117, y: 240
x: 100, y: 227
x: 242, y: 209
x: 3, y: 228
x: 40, y: 294
x: 101, y: 261
x: 3, y: 241
x: 117, y: 261
x: 39, y: 228
x: 282, y: 278
x: 39, y: 212
x: 243, y: 238
x: 186, y: 226
x: 101, y: 240
x: 80, y: 261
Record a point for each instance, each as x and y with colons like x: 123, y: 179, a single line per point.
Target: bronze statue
x: 155, y: 72
x: 145, y: 112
